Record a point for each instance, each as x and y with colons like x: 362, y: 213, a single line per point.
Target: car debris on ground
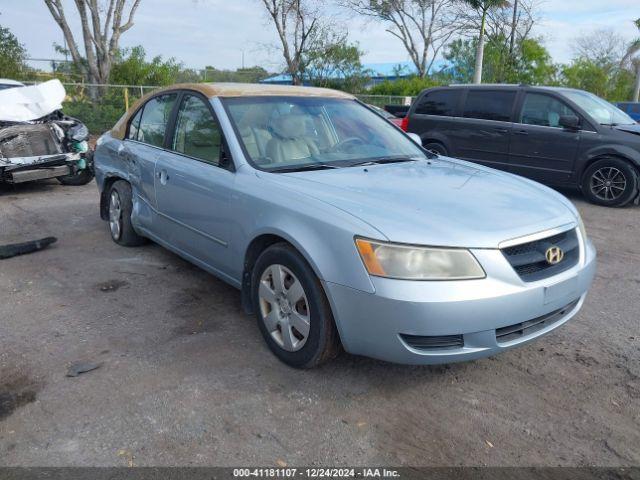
x: 15, y: 249
x: 37, y: 141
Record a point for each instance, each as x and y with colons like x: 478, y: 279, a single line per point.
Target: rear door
x: 540, y: 148
x: 194, y: 184
x: 485, y: 131
x: 144, y: 141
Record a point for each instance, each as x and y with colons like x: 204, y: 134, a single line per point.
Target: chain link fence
x: 99, y: 106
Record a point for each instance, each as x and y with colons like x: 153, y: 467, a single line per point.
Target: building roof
x: 210, y: 90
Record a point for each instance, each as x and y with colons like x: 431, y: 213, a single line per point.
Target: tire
x: 119, y: 215
x: 611, y: 182
x: 296, y: 322
x: 438, y: 148
x: 81, y: 178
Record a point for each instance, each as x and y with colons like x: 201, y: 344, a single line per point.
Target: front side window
x: 154, y: 120
x: 543, y: 110
x: 489, y: 105
x: 439, y: 102
x: 600, y: 110
x: 284, y: 132
x: 197, y: 134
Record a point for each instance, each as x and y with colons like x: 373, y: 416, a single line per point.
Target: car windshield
x: 600, y: 110
x: 296, y: 133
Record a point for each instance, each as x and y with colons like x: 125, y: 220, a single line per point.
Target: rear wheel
x: 611, y: 182
x: 120, y: 207
x: 438, y: 148
x: 81, y: 178
x: 292, y: 310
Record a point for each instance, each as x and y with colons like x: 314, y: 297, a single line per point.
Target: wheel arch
x: 626, y: 154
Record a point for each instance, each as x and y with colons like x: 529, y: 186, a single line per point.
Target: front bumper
x: 377, y: 325
x: 26, y: 169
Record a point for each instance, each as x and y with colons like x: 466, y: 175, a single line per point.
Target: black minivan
x: 557, y: 136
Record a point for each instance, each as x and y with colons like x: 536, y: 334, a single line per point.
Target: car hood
x: 441, y: 202
x: 635, y: 128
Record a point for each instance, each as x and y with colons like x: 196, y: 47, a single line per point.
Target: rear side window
x: 155, y: 117
x: 489, y: 105
x: 439, y: 102
x: 134, y: 126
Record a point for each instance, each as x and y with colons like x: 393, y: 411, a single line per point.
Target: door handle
x: 521, y: 132
x: 163, y: 176
x: 502, y: 130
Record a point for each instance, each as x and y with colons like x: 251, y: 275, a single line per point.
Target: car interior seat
x: 289, y: 142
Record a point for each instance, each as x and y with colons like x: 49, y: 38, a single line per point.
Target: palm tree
x: 632, y: 55
x: 482, y: 7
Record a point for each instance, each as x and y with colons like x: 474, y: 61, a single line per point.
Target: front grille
x: 520, y: 330
x: 529, y: 260
x: 433, y: 343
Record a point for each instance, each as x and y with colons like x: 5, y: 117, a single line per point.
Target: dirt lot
x: 186, y: 378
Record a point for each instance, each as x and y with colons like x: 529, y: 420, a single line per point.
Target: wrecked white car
x: 38, y: 141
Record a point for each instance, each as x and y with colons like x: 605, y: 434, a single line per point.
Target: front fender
x: 615, y: 150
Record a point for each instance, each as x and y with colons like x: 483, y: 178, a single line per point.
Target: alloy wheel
x: 115, y: 215
x: 284, y: 307
x: 608, y: 183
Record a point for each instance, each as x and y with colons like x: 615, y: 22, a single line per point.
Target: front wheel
x: 292, y: 310
x: 611, y: 182
x: 81, y: 178
x: 437, y: 148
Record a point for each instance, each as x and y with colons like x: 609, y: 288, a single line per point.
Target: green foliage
x: 336, y: 65
x: 408, y: 87
x: 13, y: 56
x: 609, y: 82
x: 529, y: 63
x: 132, y: 68
x: 241, y: 75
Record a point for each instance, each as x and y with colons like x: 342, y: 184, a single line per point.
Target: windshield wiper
x: 382, y: 160
x: 302, y: 168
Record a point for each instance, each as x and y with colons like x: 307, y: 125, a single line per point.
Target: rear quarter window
x: 438, y: 102
x: 489, y: 105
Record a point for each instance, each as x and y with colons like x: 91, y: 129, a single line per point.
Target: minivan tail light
x: 405, y: 124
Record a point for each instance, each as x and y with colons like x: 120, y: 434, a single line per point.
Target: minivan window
x: 197, y: 133
x: 600, y: 110
x: 155, y: 117
x: 489, y: 105
x: 543, y: 110
x: 439, y: 102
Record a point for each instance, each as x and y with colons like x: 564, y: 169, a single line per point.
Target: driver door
x: 194, y: 185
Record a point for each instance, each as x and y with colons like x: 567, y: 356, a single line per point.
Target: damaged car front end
x: 37, y: 141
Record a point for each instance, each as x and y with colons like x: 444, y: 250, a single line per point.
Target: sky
x: 222, y: 32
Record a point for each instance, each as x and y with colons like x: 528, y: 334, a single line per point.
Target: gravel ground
x: 186, y: 379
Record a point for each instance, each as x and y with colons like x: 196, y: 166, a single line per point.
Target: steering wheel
x: 349, y: 143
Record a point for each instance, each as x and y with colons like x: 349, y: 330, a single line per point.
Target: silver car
x: 338, y: 229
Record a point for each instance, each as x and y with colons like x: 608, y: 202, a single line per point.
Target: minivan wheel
x: 611, y: 182
x: 437, y: 147
x: 292, y: 311
x: 120, y: 206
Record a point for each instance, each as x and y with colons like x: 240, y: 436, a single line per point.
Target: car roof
x: 227, y: 90
x: 509, y: 86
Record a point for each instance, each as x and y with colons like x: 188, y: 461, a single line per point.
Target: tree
x: 482, y: 7
x: 298, y: 23
x: 131, y: 67
x: 632, y: 56
x: 103, y: 22
x: 13, y: 55
x: 423, y: 26
x: 336, y: 63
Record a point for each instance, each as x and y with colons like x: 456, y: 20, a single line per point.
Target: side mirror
x: 570, y: 122
x: 415, y: 137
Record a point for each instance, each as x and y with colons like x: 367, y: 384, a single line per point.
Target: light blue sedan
x: 338, y: 229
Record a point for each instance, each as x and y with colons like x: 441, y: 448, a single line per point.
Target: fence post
x: 126, y: 99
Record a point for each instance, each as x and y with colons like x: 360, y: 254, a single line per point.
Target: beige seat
x: 289, y: 142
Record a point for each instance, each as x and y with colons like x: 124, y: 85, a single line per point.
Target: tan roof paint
x: 230, y: 90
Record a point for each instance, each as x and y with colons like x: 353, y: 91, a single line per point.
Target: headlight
x: 418, y: 263
x: 78, y: 132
